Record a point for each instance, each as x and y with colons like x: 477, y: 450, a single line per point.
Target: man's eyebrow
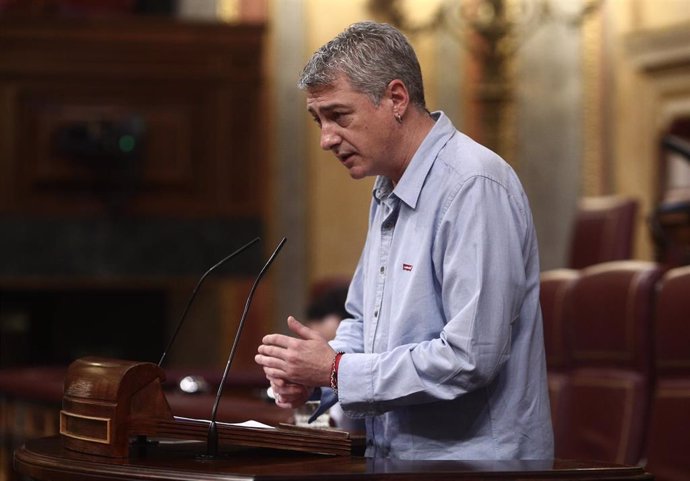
x: 327, y: 107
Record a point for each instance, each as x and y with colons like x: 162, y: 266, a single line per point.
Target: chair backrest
x: 554, y: 287
x: 609, y: 322
x: 603, y: 230
x: 669, y: 433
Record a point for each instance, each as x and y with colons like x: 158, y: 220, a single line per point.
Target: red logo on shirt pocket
x: 407, y: 267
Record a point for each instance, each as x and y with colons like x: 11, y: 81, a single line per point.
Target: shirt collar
x: 410, y: 185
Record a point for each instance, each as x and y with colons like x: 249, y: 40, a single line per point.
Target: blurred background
x: 142, y: 141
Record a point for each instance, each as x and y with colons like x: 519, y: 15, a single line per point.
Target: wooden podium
x: 46, y: 460
x: 107, y: 403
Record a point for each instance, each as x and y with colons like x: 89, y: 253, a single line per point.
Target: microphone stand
x: 212, y: 438
x: 196, y: 289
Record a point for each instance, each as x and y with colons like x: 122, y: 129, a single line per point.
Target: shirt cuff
x: 355, y: 385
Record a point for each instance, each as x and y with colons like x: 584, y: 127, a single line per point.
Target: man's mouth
x: 344, y: 157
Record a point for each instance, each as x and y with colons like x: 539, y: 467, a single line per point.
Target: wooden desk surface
x: 45, y: 460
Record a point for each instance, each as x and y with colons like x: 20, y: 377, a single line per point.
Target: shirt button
x: 382, y: 269
x: 376, y: 313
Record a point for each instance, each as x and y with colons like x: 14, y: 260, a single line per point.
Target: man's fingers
x: 286, y: 405
x: 272, y: 372
x: 301, y: 330
x: 285, y: 393
x: 279, y: 340
x: 289, y: 393
x: 305, y: 359
x: 280, y: 382
x: 269, y: 362
x: 272, y: 351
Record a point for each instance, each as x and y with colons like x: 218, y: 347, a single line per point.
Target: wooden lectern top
x: 46, y: 460
x: 107, y: 403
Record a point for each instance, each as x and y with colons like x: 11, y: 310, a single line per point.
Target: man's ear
x: 399, y: 96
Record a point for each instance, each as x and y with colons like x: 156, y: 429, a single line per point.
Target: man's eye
x: 318, y: 122
x: 340, y: 117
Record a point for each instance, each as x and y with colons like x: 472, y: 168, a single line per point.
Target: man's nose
x: 329, y: 137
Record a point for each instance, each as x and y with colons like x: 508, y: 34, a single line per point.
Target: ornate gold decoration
x: 594, y: 178
x: 492, y: 31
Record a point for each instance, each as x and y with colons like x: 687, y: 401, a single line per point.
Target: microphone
x: 196, y: 289
x: 677, y: 145
x: 212, y: 438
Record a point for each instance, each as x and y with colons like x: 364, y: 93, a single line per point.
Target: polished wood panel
x: 31, y: 397
x: 46, y: 460
x: 193, y: 88
x: 108, y: 402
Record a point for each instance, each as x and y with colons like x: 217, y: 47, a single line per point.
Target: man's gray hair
x: 370, y: 55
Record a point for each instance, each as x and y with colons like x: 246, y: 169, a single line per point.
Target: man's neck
x: 414, y: 129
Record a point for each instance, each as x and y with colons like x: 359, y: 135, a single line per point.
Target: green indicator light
x: 127, y: 143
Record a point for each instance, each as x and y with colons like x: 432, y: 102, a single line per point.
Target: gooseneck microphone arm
x: 212, y: 438
x: 196, y: 289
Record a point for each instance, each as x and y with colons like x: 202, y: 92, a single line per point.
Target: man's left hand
x: 304, y: 360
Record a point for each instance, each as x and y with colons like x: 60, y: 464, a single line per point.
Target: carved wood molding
x: 194, y: 87
x: 660, y: 49
x: 660, y: 60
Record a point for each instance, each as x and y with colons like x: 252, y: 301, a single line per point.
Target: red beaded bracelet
x: 334, y: 371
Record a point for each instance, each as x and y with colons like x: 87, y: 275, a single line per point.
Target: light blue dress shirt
x: 446, y: 318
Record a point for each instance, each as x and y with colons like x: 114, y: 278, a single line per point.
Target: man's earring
x: 398, y: 118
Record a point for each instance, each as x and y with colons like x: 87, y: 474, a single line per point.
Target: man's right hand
x: 288, y: 394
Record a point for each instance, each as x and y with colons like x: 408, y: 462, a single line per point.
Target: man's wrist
x: 334, y: 371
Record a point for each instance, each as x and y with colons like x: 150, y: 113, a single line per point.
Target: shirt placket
x: 389, y: 218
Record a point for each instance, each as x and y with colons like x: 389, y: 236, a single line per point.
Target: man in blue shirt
x: 443, y: 355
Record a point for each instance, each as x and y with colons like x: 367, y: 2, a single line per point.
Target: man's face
x: 356, y: 130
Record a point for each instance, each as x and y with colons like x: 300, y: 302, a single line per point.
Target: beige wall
x: 640, y: 99
x: 338, y: 205
x: 650, y: 14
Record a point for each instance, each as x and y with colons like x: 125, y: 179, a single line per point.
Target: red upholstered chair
x: 669, y: 436
x: 554, y: 286
x: 609, y: 319
x: 603, y: 230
